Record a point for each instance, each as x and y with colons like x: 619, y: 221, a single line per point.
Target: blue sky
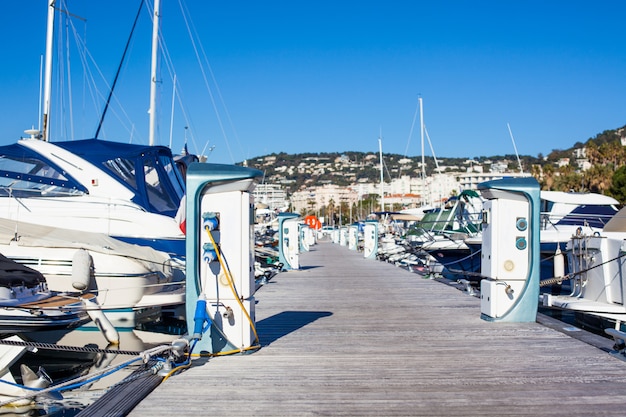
x: 330, y: 76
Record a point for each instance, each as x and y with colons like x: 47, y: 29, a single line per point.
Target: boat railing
x: 593, y: 220
x: 580, y: 259
x: 30, y: 190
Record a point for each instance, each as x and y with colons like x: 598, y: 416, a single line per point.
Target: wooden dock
x: 348, y: 336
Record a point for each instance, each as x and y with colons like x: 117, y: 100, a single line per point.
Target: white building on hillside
x: 272, y: 195
x: 470, y: 180
x: 315, y: 198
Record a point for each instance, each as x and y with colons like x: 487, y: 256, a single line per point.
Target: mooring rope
x: 557, y: 280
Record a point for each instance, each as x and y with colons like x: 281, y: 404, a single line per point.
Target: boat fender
x: 559, y: 263
x: 200, y: 318
x: 82, y: 267
x: 97, y: 316
x: 38, y: 381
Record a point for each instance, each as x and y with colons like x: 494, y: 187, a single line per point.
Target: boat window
x: 592, y: 215
x: 157, y: 192
x: 124, y: 169
x: 30, y: 177
x: 174, y: 175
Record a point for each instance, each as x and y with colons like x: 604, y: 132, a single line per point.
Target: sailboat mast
x: 423, y: 163
x: 48, y: 72
x: 382, y: 193
x: 519, y: 163
x: 153, y: 71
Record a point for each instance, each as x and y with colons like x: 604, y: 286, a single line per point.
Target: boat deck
x: 348, y: 336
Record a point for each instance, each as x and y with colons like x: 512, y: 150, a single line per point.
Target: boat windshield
x: 157, y: 182
x: 23, y: 174
x: 158, y: 197
x: 592, y: 215
x: 148, y: 171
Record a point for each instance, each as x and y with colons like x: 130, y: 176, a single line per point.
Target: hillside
x: 296, y: 171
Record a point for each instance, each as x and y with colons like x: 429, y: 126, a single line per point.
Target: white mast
x: 423, y: 163
x: 519, y: 163
x: 48, y: 72
x: 172, y: 113
x: 382, y: 192
x: 153, y: 72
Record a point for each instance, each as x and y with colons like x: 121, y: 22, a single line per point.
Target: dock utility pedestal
x: 353, y: 237
x: 220, y: 257
x: 370, y: 239
x: 289, y: 240
x: 510, y: 250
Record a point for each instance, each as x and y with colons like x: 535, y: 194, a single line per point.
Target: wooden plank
x: 347, y: 336
x: 56, y: 301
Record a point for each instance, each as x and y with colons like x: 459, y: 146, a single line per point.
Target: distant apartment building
x: 272, y: 195
x: 314, y: 198
x: 430, y: 191
x: 470, y: 180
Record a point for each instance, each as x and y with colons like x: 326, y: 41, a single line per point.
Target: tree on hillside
x: 536, y: 172
x: 597, y: 179
x: 568, y: 179
x: 593, y: 152
x: 331, y: 212
x: 618, y: 185
x: 547, y: 179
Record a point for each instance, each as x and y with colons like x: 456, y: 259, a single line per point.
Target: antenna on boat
x: 515, y: 147
x: 33, y: 133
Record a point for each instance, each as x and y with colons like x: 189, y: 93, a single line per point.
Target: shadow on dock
x: 305, y: 267
x: 281, y: 324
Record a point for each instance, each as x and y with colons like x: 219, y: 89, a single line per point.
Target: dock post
x: 220, y: 256
x: 510, y: 250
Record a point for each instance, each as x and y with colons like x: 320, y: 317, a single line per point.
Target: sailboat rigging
x: 117, y: 74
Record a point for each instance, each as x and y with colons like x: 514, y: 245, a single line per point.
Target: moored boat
x: 445, y: 232
x: 130, y: 192
x: 563, y: 214
x: 26, y: 303
x: 128, y: 280
x: 596, y: 273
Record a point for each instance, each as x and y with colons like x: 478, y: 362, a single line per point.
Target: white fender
x: 97, y: 316
x: 82, y: 264
x: 559, y: 262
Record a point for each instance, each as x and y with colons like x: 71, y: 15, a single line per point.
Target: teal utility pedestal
x: 370, y: 239
x: 289, y: 240
x: 220, y: 257
x: 353, y: 237
x: 510, y: 250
